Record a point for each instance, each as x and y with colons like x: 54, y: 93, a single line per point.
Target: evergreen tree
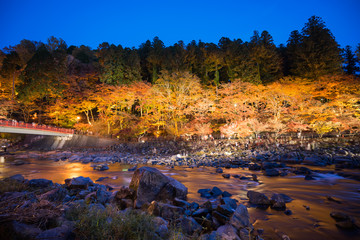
x: 350, y: 60
x: 315, y: 53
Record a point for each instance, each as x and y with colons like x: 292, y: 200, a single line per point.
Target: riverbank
x: 317, y: 189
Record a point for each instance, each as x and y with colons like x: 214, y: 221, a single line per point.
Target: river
x: 314, y: 223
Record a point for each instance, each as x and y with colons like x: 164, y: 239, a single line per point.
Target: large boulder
x: 150, y: 184
x: 278, y: 202
x: 258, y: 198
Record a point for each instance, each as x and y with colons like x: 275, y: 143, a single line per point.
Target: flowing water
x: 314, y: 223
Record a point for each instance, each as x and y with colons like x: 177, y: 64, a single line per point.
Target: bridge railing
x: 16, y: 124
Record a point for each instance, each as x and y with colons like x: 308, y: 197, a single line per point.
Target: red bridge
x: 13, y: 126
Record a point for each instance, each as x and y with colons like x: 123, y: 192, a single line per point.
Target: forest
x: 235, y: 89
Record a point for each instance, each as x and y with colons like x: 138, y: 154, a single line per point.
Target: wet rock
x: 258, y: 198
x: 40, y: 183
x: 226, y: 194
x: 288, y: 212
x: 205, y: 193
x: 271, y: 172
x: 309, y: 177
x: 18, y: 162
x: 101, y: 179
x: 228, y: 202
x: 314, y: 160
x: 215, y: 192
x: 150, y: 184
x: 132, y: 169
x: 240, y: 218
x: 339, y: 216
x: 302, y: 171
x: 332, y: 199
x: 226, y: 175
x: 78, y: 183
x: 277, y: 202
x: 254, y: 177
x: 347, y: 224
x: 219, y: 170
x: 254, y: 167
x: 227, y: 232
x: 101, y: 167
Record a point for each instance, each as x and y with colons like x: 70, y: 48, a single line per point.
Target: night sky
x: 131, y: 23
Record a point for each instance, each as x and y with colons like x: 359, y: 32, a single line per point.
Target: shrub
x: 111, y: 224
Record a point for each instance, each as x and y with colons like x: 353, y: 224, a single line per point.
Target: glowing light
x: 2, y: 159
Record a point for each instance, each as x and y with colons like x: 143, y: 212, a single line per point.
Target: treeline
x: 184, y: 89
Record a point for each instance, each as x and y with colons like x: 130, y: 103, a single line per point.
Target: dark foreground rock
x: 150, y: 184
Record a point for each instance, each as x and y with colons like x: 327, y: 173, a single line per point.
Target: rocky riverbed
x: 289, y: 191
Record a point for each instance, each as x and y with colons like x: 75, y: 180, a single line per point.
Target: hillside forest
x: 233, y: 89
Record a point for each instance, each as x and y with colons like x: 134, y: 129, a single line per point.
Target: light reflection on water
x: 303, y: 224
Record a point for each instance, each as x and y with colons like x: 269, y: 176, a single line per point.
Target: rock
x: 222, y: 219
x: 100, y: 196
x: 271, y: 172
x: 170, y: 212
x: 18, y: 177
x: 254, y: 167
x: 207, y: 236
x: 244, y: 234
x: 314, y: 160
x: 302, y: 171
x: 286, y: 198
x: 240, y: 218
x: 277, y: 202
x: 229, y: 202
x: 79, y: 183
x: 227, y: 232
x: 150, y: 184
x: 189, y: 226
x: 18, y: 162
x: 347, y: 224
x: 101, y: 167
x: 254, y: 177
x: 57, y: 194
x: 225, y: 210
x: 205, y: 193
x: 59, y: 233
x: 24, y: 230
x: 161, y: 227
x: 181, y: 203
x: 226, y: 175
x: 288, y: 212
x: 339, y: 216
x: 226, y: 194
x: 200, y: 213
x: 101, y: 179
x: 258, y: 198
x: 40, y: 183
x: 125, y: 193
x: 132, y: 169
x: 219, y: 170
x: 215, y: 192
x: 309, y: 177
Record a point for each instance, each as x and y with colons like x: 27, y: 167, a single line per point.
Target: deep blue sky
x: 132, y: 22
